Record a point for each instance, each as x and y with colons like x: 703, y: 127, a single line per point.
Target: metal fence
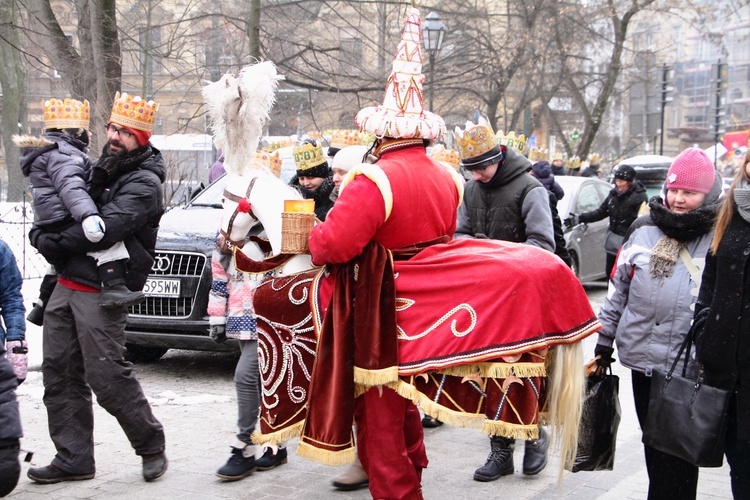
x: 16, y: 220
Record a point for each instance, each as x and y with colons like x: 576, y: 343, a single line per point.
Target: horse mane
x: 238, y: 109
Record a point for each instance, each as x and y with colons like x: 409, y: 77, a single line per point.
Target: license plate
x: 162, y: 287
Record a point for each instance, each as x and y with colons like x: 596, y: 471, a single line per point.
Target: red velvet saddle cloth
x: 475, y: 318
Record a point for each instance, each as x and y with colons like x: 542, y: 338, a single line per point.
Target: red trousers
x: 390, y: 444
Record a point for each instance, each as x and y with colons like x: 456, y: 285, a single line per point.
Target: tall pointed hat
x: 402, y: 114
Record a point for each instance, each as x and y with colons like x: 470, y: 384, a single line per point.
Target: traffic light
x: 575, y: 135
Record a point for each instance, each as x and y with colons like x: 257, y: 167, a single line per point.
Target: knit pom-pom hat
x: 692, y: 170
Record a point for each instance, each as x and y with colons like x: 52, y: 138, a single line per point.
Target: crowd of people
x: 96, y: 224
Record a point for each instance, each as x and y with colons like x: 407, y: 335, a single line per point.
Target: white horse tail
x: 565, y: 393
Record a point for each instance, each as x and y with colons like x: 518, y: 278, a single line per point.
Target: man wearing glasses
x: 84, y: 342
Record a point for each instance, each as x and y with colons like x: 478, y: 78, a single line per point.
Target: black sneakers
x: 268, y: 461
x: 49, y: 474
x: 238, y: 466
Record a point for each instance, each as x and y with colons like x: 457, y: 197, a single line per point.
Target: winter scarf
x: 742, y: 199
x: 321, y: 195
x: 112, y: 166
x: 678, y: 229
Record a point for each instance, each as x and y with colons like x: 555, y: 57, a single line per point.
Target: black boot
x: 500, y: 461
x: 429, y: 422
x: 114, y: 292
x: 36, y: 315
x: 535, y: 454
x: 237, y: 467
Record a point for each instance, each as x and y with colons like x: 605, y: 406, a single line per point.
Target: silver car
x: 586, y: 240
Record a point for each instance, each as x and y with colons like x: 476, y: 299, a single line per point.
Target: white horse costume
x: 529, y: 309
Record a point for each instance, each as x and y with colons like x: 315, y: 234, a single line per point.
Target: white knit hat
x: 348, y: 157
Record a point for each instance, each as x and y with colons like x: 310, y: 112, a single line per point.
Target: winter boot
x: 114, y: 292
x: 500, y: 461
x: 353, y: 478
x: 535, y: 454
x: 36, y: 315
x: 268, y: 461
x: 238, y: 466
x: 154, y: 466
x: 429, y: 422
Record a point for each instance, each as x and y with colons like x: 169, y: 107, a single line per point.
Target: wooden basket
x: 295, y: 230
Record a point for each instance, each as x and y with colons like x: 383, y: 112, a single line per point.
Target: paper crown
x: 315, y: 135
x: 558, y: 156
x: 282, y: 143
x: 343, y: 138
x: 538, y: 154
x: 270, y: 160
x: 594, y: 159
x: 68, y: 113
x: 511, y: 141
x: 308, y: 156
x: 134, y: 112
x: 475, y: 140
x: 449, y: 156
x: 574, y: 163
x: 402, y: 114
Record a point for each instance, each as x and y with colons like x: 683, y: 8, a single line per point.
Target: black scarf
x: 686, y: 226
x: 112, y: 166
x: 322, y: 194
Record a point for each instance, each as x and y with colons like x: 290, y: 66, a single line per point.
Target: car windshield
x: 212, y: 196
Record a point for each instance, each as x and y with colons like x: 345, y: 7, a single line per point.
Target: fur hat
x: 626, y: 173
x: 402, y: 114
x: 692, y: 170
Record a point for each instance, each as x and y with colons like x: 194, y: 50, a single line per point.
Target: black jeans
x: 738, y: 456
x: 83, y: 352
x: 669, y: 477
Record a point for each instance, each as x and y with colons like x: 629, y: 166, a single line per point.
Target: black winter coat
x: 722, y: 318
x: 131, y: 204
x: 622, y: 210
x: 10, y: 419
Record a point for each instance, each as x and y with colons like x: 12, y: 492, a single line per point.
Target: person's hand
x: 17, y: 354
x: 93, y: 228
x: 218, y: 333
x: 603, y: 355
x: 571, y: 221
x: 48, y: 245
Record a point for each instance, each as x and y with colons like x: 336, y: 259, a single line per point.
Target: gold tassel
x: 497, y: 370
x: 451, y: 417
x: 375, y: 377
x: 326, y: 457
x: 512, y: 431
x: 278, y: 436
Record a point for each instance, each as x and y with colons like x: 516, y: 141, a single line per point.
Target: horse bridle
x: 226, y: 244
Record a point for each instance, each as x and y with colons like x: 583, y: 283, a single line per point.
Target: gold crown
x: 308, y: 156
x: 537, y: 154
x: 558, y: 156
x: 511, y: 141
x: 134, y: 112
x: 315, y: 135
x: 439, y: 153
x: 270, y: 160
x: 343, y: 138
x: 474, y: 140
x: 282, y: 143
x: 574, y: 163
x: 68, y: 113
x: 594, y: 159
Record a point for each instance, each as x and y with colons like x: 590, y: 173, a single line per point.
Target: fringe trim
x: 454, y: 418
x: 326, y: 457
x: 383, y: 376
x: 513, y: 431
x: 497, y: 370
x: 278, y: 436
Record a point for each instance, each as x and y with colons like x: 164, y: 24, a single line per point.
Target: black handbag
x: 600, y: 418
x: 686, y: 418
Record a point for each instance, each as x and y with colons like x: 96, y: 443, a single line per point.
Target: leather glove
x: 17, y: 354
x: 571, y: 221
x: 93, y: 228
x: 218, y: 333
x: 603, y: 355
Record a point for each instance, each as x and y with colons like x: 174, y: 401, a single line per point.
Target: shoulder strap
x: 695, y: 273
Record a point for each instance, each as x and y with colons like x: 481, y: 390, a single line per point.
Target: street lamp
x: 433, y: 31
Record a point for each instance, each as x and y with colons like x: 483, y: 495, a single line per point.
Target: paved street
x: 193, y: 396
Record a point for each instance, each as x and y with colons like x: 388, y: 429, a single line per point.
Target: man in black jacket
x: 83, y: 342
x: 621, y: 206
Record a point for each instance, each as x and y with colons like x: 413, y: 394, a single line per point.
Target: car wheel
x: 574, y: 265
x: 141, y: 354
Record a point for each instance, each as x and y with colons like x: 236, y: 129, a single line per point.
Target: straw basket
x: 295, y: 230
